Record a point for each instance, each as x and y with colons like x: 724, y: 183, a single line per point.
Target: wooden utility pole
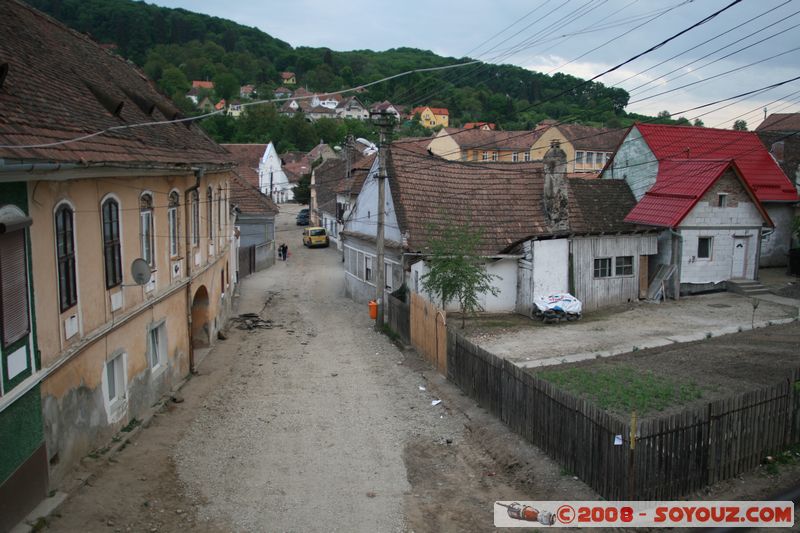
x: 384, y: 122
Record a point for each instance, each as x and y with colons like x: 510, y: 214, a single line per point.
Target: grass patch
x: 624, y: 389
x: 787, y: 457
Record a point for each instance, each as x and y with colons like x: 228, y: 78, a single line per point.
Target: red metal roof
x: 757, y: 167
x: 680, y: 184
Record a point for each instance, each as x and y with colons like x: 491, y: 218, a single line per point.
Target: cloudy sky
x: 579, y: 37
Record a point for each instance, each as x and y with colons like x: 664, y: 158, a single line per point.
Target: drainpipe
x: 677, y: 255
x: 198, y: 175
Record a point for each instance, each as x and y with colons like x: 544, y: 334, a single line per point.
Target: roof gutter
x: 57, y: 171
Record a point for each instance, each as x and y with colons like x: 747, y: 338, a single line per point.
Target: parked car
x: 302, y: 218
x: 315, y: 236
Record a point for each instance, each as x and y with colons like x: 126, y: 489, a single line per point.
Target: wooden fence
x: 429, y: 331
x: 399, y: 317
x: 671, y: 456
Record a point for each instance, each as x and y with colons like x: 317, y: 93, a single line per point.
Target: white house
x: 272, y: 180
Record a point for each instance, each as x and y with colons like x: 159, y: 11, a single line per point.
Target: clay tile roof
x: 249, y: 199
x: 679, y: 186
x: 287, y: 75
x: 46, y: 97
x: 599, y: 206
x: 358, y: 173
x: 199, y: 84
x: 756, y: 165
x: 329, y: 176
x: 590, y: 138
x: 439, y: 111
x: 430, y: 192
x: 494, y: 140
x: 247, y: 157
x: 472, y: 125
x: 780, y: 122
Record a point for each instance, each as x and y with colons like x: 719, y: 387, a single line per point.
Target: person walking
x: 280, y: 251
x: 285, y: 252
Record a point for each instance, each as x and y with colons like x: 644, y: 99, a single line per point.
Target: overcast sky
x: 553, y: 35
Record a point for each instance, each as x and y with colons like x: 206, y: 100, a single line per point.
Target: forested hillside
x: 175, y: 46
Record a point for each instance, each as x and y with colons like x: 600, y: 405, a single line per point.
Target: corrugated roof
x: 680, y: 184
x: 56, y: 81
x: 757, y: 167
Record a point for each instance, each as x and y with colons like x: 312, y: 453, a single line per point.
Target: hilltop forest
x: 175, y: 46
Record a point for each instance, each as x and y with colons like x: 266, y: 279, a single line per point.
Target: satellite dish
x: 140, y: 271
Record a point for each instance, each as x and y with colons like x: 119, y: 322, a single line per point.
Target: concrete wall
x: 775, y: 246
x: 543, y: 271
x: 255, y: 230
x: 77, y: 417
x: 740, y: 218
x: 445, y: 146
x: 364, y: 217
x: 505, y: 282
x: 635, y: 163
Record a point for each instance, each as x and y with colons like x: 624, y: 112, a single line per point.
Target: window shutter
x: 13, y: 287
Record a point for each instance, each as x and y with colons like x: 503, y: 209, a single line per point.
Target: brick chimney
x: 556, y: 207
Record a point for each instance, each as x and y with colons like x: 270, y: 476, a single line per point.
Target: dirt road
x: 315, y: 424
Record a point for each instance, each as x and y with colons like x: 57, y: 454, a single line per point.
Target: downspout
x: 198, y: 175
x: 677, y: 256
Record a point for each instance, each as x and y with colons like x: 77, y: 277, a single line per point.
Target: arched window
x: 111, y: 243
x: 65, y: 251
x: 195, y: 217
x: 146, y: 229
x: 172, y: 217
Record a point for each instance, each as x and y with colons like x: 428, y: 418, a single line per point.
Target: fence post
x: 631, y: 460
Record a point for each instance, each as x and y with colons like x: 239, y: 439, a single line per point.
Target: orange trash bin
x: 373, y: 309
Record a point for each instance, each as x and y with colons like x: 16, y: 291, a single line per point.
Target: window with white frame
x: 515, y: 157
x: 172, y: 217
x: 527, y: 156
x: 115, y: 380
x: 112, y: 253
x: 65, y: 252
x: 146, y: 229
x: 195, y: 218
x: 157, y: 345
x: 484, y: 156
x: 494, y: 156
x: 579, y: 156
x: 602, y: 267
x: 367, y: 268
x: 704, y: 247
x: 387, y: 277
x: 14, y: 304
x: 623, y: 265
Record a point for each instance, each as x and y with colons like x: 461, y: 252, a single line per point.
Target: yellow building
x: 430, y: 117
x: 108, y: 345
x: 587, y: 148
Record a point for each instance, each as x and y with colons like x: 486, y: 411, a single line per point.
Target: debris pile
x: 249, y: 321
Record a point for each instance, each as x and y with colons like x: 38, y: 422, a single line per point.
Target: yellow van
x: 315, y: 236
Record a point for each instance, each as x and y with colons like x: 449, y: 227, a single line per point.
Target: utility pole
x: 384, y: 121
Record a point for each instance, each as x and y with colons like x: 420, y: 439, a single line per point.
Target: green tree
x: 698, y: 123
x: 226, y: 86
x: 456, y: 271
x: 740, y: 125
x: 174, y: 81
x: 302, y: 191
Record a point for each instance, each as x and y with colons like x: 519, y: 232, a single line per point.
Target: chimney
x: 555, y: 196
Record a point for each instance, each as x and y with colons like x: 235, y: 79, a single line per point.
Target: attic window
x: 722, y: 199
x: 111, y: 103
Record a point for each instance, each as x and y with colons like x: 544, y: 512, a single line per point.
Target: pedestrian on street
x: 280, y: 251
x: 285, y: 252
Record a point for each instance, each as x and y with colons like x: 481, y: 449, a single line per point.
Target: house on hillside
x: 640, y: 161
x: 351, y: 107
x: 282, y: 92
x: 85, y: 348
x: 398, y: 112
x: 553, y: 234
x: 288, y: 78
x: 235, y: 109
x: 247, y: 91
x: 206, y: 105
x: 484, y: 145
x: 200, y: 84
x: 194, y: 95
x: 430, y: 117
x: 480, y: 126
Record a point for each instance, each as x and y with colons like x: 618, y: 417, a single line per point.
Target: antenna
x: 140, y: 270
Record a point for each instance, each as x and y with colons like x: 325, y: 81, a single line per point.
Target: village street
x: 316, y: 424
